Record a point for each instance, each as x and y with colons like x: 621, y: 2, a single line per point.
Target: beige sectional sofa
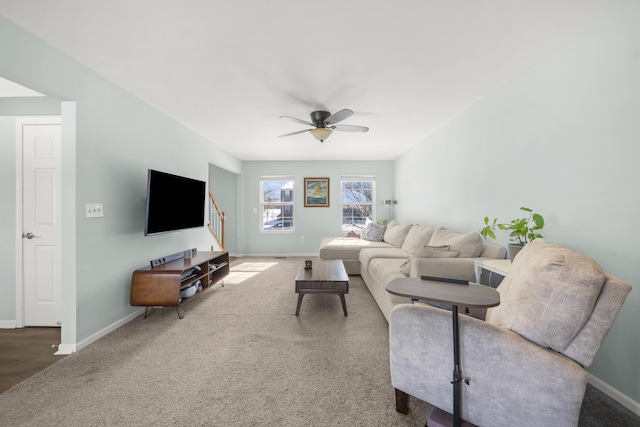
x: 411, y: 250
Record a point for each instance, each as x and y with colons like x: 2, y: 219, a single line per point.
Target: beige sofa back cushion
x: 468, y: 245
x: 548, y: 295
x: 585, y: 345
x: 427, y: 252
x: 419, y: 236
x: 396, y: 233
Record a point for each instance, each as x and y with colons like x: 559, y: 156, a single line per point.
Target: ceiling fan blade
x: 293, y: 119
x: 350, y: 128
x: 295, y: 133
x: 338, y: 116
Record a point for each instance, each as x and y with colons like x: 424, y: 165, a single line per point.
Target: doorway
x: 38, y: 193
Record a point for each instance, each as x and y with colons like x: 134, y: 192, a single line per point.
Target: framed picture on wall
x: 316, y: 192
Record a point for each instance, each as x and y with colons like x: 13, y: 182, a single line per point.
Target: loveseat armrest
x: 511, y: 380
x: 452, y: 268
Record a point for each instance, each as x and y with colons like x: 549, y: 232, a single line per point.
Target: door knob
x: 28, y: 235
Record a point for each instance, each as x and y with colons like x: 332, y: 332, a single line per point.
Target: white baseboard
x: 64, y: 349
x: 104, y: 331
x: 8, y: 324
x: 616, y: 395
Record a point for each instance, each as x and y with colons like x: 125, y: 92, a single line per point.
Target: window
x: 358, y: 195
x: 276, y: 203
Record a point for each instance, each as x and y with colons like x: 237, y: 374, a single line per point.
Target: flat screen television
x: 173, y: 203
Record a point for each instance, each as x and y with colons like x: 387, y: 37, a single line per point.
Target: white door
x: 41, y: 234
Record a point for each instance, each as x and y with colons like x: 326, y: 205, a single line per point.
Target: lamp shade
x: 321, y: 134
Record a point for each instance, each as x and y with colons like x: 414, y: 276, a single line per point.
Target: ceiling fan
x: 324, y: 123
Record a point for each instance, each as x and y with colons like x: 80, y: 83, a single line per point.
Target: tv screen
x: 173, y: 203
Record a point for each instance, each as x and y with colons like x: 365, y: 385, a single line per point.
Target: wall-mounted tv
x: 173, y: 203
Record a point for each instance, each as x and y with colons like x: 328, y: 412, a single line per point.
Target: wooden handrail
x: 216, y: 221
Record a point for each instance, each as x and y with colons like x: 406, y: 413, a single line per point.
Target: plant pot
x: 513, y: 251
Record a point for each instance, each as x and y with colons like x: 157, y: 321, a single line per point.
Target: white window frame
x: 289, y: 203
x: 353, y: 178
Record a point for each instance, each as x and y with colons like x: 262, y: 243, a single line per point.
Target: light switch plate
x: 93, y: 210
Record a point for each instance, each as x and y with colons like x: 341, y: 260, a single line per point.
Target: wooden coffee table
x: 325, y: 277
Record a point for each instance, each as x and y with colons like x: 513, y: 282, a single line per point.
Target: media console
x: 161, y: 286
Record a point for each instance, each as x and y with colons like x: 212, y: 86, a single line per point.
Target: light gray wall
x: 312, y: 223
x: 7, y: 219
x: 224, y: 186
x: 118, y: 139
x: 562, y: 138
x: 28, y: 106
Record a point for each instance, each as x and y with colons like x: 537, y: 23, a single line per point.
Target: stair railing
x: 216, y: 221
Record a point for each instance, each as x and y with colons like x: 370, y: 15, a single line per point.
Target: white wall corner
x: 64, y: 349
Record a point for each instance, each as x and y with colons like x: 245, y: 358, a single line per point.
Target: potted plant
x: 523, y: 230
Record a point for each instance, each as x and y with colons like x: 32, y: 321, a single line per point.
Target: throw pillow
x: 428, y: 252
x: 418, y: 236
x: 469, y: 245
x: 396, y: 233
x: 374, y: 233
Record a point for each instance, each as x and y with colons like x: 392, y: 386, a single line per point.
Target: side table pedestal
x: 440, y: 418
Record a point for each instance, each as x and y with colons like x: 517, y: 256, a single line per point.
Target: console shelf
x: 160, y: 286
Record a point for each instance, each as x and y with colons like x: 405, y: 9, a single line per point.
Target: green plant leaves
x: 538, y: 220
x: 521, y: 231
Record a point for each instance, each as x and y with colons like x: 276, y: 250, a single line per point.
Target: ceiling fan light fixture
x: 321, y: 134
x: 324, y: 123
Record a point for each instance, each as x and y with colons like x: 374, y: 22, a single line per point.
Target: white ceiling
x: 229, y: 69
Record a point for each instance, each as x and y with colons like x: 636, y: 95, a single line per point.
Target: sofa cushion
x: 548, y: 295
x: 346, y: 248
x: 374, y: 233
x: 419, y: 235
x: 396, y: 233
x: 366, y: 255
x: 468, y: 245
x: 493, y: 251
x: 384, y: 270
x: 428, y: 252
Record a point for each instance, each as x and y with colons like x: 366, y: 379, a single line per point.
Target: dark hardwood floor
x: 25, y: 352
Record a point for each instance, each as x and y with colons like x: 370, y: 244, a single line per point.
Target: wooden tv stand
x: 160, y: 286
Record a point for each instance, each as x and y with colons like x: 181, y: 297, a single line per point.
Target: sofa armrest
x: 452, y: 268
x: 510, y: 378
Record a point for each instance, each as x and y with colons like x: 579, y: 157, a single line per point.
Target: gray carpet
x: 599, y: 410
x: 240, y: 357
